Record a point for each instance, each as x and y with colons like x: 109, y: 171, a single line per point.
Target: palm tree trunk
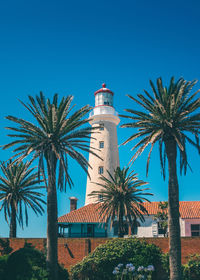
x: 173, y: 212
x: 120, y: 225
x: 13, y: 224
x: 52, y: 224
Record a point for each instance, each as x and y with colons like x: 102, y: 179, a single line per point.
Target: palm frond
x: 172, y: 112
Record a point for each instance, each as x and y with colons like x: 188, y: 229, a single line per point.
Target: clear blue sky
x: 72, y: 47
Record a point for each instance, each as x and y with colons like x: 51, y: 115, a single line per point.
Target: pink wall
x: 188, y: 223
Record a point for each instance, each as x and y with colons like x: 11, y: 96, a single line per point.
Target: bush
x: 165, y: 263
x: 5, y: 248
x: 99, y: 265
x: 191, y: 270
x: 29, y: 264
x: 3, y: 264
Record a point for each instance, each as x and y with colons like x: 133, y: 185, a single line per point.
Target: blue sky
x: 72, y: 47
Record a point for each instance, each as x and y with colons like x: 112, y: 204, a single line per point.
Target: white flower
x: 116, y: 268
x: 120, y: 265
x: 140, y: 268
x: 129, y: 265
x: 115, y: 272
x: 131, y: 268
x: 150, y: 268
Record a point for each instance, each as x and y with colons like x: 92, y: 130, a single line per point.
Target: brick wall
x: 73, y: 250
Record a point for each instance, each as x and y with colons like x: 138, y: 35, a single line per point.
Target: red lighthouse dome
x: 103, y: 89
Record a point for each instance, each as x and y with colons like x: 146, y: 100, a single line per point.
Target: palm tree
x: 55, y: 137
x: 18, y: 192
x: 121, y: 197
x: 170, y: 116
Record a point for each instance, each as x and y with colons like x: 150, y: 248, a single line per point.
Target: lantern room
x: 103, y: 97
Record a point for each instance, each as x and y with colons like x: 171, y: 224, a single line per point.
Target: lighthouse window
x: 101, y: 126
x: 100, y: 197
x: 101, y: 144
x: 100, y: 169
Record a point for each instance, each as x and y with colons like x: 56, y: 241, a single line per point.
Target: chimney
x: 73, y: 203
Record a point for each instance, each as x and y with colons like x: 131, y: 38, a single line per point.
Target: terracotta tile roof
x: 85, y: 214
x: 190, y: 209
x: 90, y: 212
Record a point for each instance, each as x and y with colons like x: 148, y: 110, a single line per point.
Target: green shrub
x: 29, y: 264
x: 165, y: 263
x: 5, y: 248
x: 99, y: 265
x: 191, y: 270
x: 3, y: 264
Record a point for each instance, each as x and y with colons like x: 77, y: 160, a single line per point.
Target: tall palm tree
x: 169, y: 117
x: 18, y: 192
x: 55, y: 137
x: 121, y: 196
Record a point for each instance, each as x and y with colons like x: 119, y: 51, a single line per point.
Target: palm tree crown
x: 122, y: 197
x: 18, y: 192
x: 56, y: 135
x: 170, y: 114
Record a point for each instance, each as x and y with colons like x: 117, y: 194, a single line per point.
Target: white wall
x: 150, y: 229
x: 182, y: 227
x: 145, y: 229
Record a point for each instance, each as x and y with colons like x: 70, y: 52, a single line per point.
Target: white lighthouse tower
x: 104, y: 116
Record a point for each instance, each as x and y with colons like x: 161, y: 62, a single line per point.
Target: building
x: 85, y: 222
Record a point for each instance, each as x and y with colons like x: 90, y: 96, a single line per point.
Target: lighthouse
x: 106, y: 119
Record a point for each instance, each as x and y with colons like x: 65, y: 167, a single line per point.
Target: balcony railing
x: 103, y: 110
x: 82, y: 235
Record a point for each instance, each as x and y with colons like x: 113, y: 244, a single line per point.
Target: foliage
x: 191, y: 270
x: 3, y: 264
x: 29, y: 264
x: 5, y: 248
x: 162, y: 217
x: 165, y: 263
x: 170, y: 113
x: 18, y: 192
x: 122, y: 197
x: 56, y: 133
x: 99, y: 264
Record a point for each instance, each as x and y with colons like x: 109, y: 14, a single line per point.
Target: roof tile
x: 90, y: 213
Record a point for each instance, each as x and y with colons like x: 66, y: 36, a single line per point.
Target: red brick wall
x: 73, y: 250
